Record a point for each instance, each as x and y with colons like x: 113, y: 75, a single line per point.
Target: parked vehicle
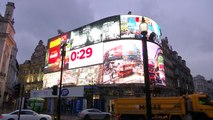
x: 94, y: 114
x: 25, y: 114
x: 195, y: 106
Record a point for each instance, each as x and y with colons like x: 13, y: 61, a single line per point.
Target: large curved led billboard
x: 117, y: 62
x: 108, y: 51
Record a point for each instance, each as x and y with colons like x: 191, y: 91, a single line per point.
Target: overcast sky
x: 187, y: 24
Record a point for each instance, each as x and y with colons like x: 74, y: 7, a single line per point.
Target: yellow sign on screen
x: 55, y: 43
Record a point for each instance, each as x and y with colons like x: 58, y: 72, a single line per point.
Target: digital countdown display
x: 85, y: 56
x: 120, y: 62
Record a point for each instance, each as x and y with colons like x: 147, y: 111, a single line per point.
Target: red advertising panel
x: 53, y: 56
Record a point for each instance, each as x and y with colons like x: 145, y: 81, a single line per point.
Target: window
x: 27, y: 112
x: 205, y: 101
x: 15, y: 113
x: 93, y: 110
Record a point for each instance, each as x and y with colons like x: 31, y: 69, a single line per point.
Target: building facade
x: 178, y: 75
x: 105, y: 57
x: 31, y: 71
x: 209, y: 88
x: 12, y: 80
x: 202, y: 85
x: 7, y: 44
x: 104, y: 61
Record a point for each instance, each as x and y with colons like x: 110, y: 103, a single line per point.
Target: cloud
x: 187, y: 24
x: 40, y: 20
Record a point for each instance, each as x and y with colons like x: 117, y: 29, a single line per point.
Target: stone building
x: 12, y: 79
x: 178, y: 75
x: 202, y: 85
x: 209, y: 88
x: 31, y: 71
x: 7, y: 44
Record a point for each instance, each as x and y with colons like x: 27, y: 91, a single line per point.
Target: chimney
x: 9, y: 11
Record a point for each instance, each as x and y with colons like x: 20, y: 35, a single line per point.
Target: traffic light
x: 152, y: 37
x: 17, y: 89
x: 54, y: 90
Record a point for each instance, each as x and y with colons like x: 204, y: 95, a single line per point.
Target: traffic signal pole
x: 55, y: 90
x: 20, y: 103
x: 63, y: 52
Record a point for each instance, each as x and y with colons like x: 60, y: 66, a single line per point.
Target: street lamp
x: 143, y: 29
x: 63, y: 53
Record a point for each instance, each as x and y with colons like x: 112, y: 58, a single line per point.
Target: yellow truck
x: 186, y: 107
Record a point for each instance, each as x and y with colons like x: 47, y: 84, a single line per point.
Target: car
x: 94, y: 114
x: 25, y: 114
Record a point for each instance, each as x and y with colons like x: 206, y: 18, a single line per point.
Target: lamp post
x: 63, y: 53
x: 143, y: 29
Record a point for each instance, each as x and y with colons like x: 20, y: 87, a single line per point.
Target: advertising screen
x: 50, y: 79
x: 85, y: 56
x: 130, y: 27
x: 80, y: 76
x: 105, y: 29
x: 116, y: 62
x: 53, y: 55
x: 123, y: 63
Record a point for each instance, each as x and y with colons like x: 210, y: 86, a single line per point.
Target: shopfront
x: 72, y: 100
